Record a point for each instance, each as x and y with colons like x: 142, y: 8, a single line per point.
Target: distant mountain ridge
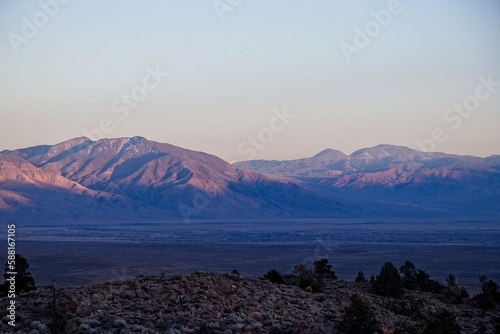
x: 387, y: 177
x: 145, y: 179
x: 135, y: 178
x: 382, y: 165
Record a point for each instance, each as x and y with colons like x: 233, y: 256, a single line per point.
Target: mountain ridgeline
x: 135, y: 178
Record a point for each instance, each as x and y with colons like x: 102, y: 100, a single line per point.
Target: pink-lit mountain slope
x: 29, y: 193
x: 135, y: 177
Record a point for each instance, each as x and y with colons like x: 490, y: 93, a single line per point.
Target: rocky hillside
x: 213, y: 303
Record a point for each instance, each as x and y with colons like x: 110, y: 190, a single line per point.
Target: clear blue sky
x: 226, y: 76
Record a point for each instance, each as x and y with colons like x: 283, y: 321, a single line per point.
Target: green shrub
x: 358, y: 318
x: 413, y: 279
x: 307, y: 278
x: 490, y: 294
x: 273, y: 276
x: 304, y: 276
x: 443, y: 322
x: 496, y: 324
x: 59, y: 322
x: 452, y: 293
x: 205, y: 329
x: 290, y: 279
x: 425, y: 284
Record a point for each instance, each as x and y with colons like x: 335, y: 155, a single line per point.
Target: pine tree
x: 324, y: 270
x: 409, y: 273
x: 452, y: 293
x: 361, y: 278
x: 388, y: 282
x: 24, y: 282
x: 490, y: 293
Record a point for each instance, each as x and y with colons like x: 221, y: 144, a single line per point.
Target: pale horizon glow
x: 227, y: 78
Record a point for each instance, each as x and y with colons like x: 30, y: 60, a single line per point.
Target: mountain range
x: 135, y: 178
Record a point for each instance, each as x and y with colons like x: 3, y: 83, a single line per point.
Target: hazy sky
x: 350, y: 74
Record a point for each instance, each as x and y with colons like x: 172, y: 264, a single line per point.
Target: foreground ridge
x: 221, y: 303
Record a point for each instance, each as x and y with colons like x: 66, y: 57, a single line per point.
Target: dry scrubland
x: 214, y: 303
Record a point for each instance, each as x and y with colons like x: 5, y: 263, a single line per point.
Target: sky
x: 260, y: 79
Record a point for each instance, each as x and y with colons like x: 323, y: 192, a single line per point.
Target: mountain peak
x: 384, y: 150
x: 329, y: 155
x: 131, y: 140
x: 73, y: 142
x: 328, y: 151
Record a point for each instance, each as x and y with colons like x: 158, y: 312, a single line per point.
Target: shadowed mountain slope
x: 158, y: 179
x: 393, y: 175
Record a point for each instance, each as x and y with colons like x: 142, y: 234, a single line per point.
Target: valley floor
x: 84, y: 253
x: 76, y: 263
